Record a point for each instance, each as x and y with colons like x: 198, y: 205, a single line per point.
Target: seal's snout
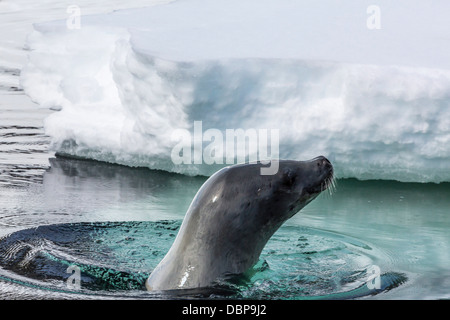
x: 325, y: 177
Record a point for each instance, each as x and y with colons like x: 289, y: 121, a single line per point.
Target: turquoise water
x: 368, y: 239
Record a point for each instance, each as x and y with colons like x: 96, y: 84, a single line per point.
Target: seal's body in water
x: 232, y: 217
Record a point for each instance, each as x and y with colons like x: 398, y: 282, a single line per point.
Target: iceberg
x: 366, y: 86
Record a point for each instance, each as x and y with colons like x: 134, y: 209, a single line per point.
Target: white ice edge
x: 376, y: 104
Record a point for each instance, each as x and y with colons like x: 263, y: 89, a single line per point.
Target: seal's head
x: 298, y: 182
x: 232, y: 217
x: 266, y: 201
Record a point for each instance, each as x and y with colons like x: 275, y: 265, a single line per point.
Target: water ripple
x: 115, y: 258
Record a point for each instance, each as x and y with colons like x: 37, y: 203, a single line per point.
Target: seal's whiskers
x: 330, y: 184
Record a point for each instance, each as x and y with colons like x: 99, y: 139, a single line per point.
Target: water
x: 115, y: 223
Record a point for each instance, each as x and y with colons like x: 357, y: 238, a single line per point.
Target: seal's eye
x: 288, y: 178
